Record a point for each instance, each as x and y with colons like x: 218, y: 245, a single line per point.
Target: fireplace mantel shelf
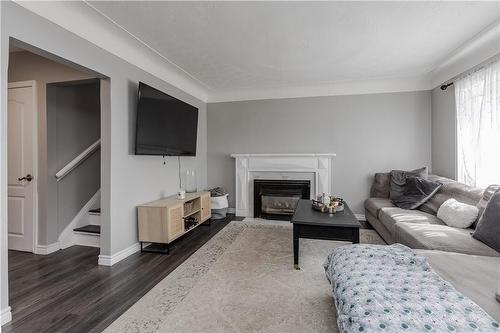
x: 286, y: 155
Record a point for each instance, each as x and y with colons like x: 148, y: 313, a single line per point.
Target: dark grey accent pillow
x: 381, y: 185
x: 418, y: 191
x: 488, y: 227
x: 481, y: 205
x: 398, y: 180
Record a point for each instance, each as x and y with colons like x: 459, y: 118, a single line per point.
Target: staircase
x: 85, y: 227
x: 90, y: 234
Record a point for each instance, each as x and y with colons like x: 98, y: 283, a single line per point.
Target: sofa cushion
x: 389, y: 216
x: 373, y: 205
x: 381, y: 185
x: 398, y: 180
x: 441, y: 237
x: 451, y: 189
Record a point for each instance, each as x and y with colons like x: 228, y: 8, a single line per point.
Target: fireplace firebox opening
x: 277, y: 199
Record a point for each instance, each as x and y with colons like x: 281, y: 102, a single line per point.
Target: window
x: 477, y: 97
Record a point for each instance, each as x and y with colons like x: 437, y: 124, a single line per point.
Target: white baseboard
x: 47, y: 249
x: 360, y: 217
x: 231, y: 210
x: 6, y: 315
x: 67, y: 238
x: 119, y: 256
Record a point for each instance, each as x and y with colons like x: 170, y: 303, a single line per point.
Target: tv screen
x: 165, y: 125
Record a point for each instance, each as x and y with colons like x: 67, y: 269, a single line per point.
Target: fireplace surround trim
x: 320, y: 165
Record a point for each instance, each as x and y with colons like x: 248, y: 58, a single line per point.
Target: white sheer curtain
x: 477, y: 99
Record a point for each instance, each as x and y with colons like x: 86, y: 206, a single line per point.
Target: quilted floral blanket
x: 390, y: 289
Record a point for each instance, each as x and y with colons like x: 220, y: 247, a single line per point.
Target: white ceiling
x: 234, y: 46
x: 230, y: 47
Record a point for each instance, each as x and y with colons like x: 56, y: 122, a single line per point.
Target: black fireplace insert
x: 277, y: 199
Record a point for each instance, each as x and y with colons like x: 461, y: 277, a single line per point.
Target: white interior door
x: 21, y: 165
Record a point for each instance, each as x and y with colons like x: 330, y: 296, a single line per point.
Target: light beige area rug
x: 243, y: 280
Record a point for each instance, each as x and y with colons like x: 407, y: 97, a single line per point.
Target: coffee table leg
x: 296, y: 246
x: 355, y: 235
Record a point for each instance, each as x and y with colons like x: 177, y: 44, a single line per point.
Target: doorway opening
x: 54, y: 161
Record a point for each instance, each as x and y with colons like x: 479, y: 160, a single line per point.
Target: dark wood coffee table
x: 309, y: 223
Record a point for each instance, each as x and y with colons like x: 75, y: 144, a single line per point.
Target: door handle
x: 28, y: 177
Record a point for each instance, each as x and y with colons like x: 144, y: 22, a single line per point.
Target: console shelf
x: 162, y: 221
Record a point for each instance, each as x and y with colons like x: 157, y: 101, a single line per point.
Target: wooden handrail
x: 77, y: 160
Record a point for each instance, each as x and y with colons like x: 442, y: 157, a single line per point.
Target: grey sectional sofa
x: 422, y: 229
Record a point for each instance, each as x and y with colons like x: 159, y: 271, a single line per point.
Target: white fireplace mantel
x: 317, y: 167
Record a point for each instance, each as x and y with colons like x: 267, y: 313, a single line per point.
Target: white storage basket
x: 219, y: 202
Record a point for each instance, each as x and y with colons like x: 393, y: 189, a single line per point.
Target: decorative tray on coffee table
x: 331, y: 205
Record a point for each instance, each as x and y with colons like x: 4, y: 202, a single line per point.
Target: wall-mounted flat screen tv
x: 165, y: 125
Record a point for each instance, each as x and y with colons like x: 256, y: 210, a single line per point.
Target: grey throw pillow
x: 398, y: 180
x: 417, y: 192
x: 481, y: 205
x: 488, y: 227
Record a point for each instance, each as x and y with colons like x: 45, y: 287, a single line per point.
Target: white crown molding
x: 359, y: 87
x: 105, y: 260
x: 83, y: 20
x: 478, y: 49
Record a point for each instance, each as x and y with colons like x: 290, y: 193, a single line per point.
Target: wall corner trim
x: 6, y: 315
x: 47, y: 249
x: 105, y: 260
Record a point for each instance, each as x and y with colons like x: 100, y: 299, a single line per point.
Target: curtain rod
x: 445, y: 86
x: 472, y: 70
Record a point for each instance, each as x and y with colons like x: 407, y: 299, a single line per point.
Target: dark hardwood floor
x: 68, y: 292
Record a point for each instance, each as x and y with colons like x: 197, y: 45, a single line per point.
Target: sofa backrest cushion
x: 451, y: 189
x: 381, y: 185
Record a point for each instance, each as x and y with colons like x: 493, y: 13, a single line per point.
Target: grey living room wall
x: 369, y: 133
x: 444, y: 153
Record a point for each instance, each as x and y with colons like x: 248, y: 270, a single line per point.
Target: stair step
x: 96, y: 211
x: 91, y: 229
